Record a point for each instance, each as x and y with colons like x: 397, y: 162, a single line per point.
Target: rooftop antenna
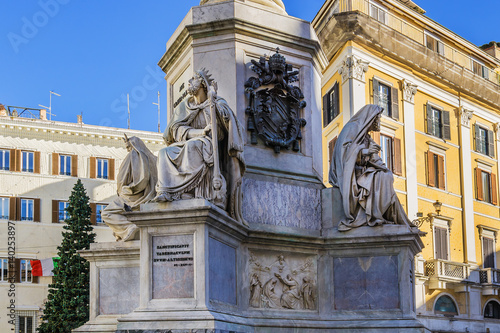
x: 158, y: 111
x: 128, y: 108
x: 50, y: 103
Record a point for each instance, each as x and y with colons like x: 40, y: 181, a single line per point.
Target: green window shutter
x: 446, y: 125
x: 375, y: 91
x: 429, y: 118
x: 491, y: 144
x: 326, y: 104
x: 336, y: 101
x: 477, y: 139
x: 395, y: 103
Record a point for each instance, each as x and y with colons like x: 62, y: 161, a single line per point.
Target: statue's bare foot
x: 161, y: 197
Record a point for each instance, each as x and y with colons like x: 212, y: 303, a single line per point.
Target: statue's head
x: 128, y: 145
x: 376, y: 122
x: 200, y: 79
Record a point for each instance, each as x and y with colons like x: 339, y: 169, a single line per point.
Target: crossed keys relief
x: 277, y: 282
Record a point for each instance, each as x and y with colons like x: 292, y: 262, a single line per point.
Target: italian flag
x: 43, y: 267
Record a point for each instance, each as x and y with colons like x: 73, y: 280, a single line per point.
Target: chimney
x: 3, y: 112
x: 43, y: 114
x: 492, y: 48
x: 79, y: 119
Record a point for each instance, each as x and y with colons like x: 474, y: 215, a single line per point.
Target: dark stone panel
x: 222, y: 272
x: 366, y: 283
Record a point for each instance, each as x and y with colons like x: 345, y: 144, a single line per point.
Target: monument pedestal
x: 202, y: 271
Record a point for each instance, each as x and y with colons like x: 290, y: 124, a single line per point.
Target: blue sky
x: 95, y: 52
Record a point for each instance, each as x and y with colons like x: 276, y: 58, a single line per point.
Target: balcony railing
x: 490, y: 276
x: 417, y: 34
x: 446, y: 269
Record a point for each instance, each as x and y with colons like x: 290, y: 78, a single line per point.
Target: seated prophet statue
x: 195, y: 166
x: 364, y: 181
x: 136, y: 183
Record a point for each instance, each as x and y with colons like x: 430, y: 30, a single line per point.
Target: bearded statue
x: 204, y: 153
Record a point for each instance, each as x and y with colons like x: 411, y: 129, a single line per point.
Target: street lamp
x: 421, y: 218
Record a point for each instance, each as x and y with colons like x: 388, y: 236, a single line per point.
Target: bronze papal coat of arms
x: 275, y: 104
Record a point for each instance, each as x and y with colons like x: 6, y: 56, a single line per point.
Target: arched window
x: 492, y: 310
x: 445, y: 305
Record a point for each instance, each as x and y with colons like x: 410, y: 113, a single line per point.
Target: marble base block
x: 201, y: 271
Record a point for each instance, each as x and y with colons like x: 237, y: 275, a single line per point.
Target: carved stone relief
x: 274, y: 104
x: 409, y: 91
x: 353, y: 68
x: 282, y: 282
x: 465, y: 116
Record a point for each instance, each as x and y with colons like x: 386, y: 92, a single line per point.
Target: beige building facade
x: 40, y: 162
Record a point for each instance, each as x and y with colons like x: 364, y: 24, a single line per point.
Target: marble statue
x: 255, y: 291
x: 290, y: 299
x: 200, y: 162
x: 136, y: 183
x: 364, y: 182
x: 308, y: 292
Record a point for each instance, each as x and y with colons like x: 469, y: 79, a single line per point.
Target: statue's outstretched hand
x: 207, y: 129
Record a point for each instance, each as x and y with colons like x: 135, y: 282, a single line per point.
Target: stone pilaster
x: 468, y: 184
x: 409, y: 91
x: 353, y: 71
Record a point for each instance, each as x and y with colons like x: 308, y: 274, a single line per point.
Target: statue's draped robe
x: 136, y: 183
x: 368, y: 196
x: 186, y: 165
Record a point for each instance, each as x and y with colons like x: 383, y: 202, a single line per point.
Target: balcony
x: 443, y: 272
x: 490, y: 280
x: 463, y: 60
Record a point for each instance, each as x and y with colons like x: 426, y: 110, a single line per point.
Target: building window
x: 99, y: 208
x: 480, y: 69
x: 438, y: 122
x: 102, y: 168
x: 492, y: 310
x: 441, y: 243
x: 4, y: 159
x: 484, y: 140
x: 28, y: 161
x: 4, y: 208
x: 436, y: 170
x: 25, y: 271
x: 488, y: 252
x: 26, y: 322
x: 433, y: 43
x: 27, y: 209
x: 378, y: 13
x: 386, y: 152
x: 63, y: 214
x: 445, y: 305
x: 4, y: 270
x: 486, y: 186
x: 387, y: 98
x: 65, y: 165
x: 331, y: 105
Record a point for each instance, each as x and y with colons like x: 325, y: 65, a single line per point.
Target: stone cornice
x: 232, y: 27
x: 425, y: 64
x: 74, y: 129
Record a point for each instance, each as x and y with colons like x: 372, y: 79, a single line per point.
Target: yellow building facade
x: 440, y: 137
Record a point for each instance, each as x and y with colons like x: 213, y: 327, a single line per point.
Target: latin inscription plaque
x: 173, y: 266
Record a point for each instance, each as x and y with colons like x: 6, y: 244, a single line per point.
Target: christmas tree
x: 67, y: 306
